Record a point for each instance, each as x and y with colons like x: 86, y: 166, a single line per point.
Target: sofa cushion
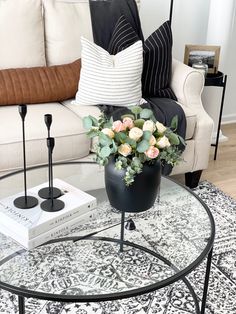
x: 71, y: 141
x: 65, y: 22
x: 107, y: 79
x: 39, y: 84
x: 21, y: 34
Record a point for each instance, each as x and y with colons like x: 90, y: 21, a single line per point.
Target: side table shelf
x: 218, y: 80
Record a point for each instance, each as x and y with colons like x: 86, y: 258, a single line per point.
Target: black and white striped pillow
x: 157, y: 63
x: 157, y: 56
x: 110, y: 79
x: 123, y: 36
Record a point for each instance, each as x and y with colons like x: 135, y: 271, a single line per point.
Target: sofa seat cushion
x: 71, y: 141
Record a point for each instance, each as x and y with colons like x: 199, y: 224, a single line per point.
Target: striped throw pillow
x: 123, y: 36
x: 157, y: 56
x: 110, y: 79
x: 157, y: 63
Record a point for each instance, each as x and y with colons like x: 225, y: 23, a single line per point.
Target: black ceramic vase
x: 137, y: 197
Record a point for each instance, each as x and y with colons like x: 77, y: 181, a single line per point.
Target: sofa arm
x: 187, y: 85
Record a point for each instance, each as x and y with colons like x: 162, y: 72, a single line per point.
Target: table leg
x: 206, y: 282
x: 21, y: 304
x: 122, y: 230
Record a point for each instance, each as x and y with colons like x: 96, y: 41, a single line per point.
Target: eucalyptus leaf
x: 174, y: 123
x: 143, y: 146
x: 94, y: 121
x: 146, y: 113
x: 87, y: 123
x: 92, y: 133
x: 131, y: 116
x: 120, y: 137
x: 104, y: 140
x: 147, y: 135
x: 135, y: 110
x: 105, y: 152
x: 131, y: 142
x: 173, y: 138
x: 139, y: 123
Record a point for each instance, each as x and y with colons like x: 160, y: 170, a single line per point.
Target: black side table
x: 219, y: 80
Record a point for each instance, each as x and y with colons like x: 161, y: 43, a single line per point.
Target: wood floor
x: 222, y: 171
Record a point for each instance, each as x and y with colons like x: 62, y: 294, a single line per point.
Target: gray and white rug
x: 174, y: 299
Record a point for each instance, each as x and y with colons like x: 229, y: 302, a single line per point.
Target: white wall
x: 199, y: 22
x: 189, y: 22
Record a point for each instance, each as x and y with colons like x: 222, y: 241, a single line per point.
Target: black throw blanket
x: 104, y: 15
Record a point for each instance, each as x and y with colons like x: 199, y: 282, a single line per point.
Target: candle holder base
x: 45, y: 193
x: 52, y: 206
x: 25, y: 202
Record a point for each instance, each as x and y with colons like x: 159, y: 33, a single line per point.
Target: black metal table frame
x: 180, y: 274
x: 219, y: 82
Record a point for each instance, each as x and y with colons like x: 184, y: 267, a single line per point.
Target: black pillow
x: 157, y: 56
x: 157, y: 63
x: 122, y: 37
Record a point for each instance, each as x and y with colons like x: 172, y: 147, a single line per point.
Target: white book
x: 29, y: 223
x: 62, y: 230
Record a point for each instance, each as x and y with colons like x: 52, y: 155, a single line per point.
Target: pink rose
x: 152, y: 152
x: 128, y: 123
x: 118, y: 126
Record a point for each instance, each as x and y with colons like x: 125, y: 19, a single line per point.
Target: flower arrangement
x: 136, y: 139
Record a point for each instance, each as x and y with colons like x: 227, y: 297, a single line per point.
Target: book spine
x: 78, y: 211
x: 61, y: 230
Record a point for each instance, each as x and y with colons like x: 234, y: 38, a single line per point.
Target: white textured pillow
x: 21, y: 34
x: 65, y: 23
x: 107, y: 79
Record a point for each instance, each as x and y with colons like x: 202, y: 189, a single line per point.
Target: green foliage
x: 139, y: 123
x: 147, y: 135
x: 174, y: 123
x: 131, y: 116
x: 87, y: 123
x: 173, y: 138
x: 146, y: 114
x: 143, y: 146
x: 107, y: 146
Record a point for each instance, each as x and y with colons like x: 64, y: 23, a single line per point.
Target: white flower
x: 160, y: 127
x: 163, y: 142
x: 149, y: 126
x: 152, y: 140
x: 135, y: 133
x: 124, y: 150
x: 108, y: 132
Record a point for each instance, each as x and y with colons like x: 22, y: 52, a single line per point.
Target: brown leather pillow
x: 39, y: 84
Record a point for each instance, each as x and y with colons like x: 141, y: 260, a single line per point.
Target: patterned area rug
x: 174, y: 299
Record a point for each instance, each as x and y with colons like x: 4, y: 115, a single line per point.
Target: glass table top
x: 169, y: 241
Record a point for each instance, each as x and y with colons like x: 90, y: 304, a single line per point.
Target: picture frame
x: 209, y: 55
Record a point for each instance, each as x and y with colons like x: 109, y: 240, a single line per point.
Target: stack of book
x: 33, y: 227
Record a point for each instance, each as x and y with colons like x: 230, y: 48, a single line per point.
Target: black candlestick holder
x: 26, y: 201
x: 48, y: 192
x: 51, y: 204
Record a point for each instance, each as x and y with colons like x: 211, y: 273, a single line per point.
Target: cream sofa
x: 31, y: 38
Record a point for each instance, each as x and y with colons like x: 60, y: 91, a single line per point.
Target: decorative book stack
x: 33, y: 227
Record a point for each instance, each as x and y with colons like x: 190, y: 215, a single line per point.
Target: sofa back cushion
x: 39, y: 84
x: 65, y: 23
x: 21, y: 34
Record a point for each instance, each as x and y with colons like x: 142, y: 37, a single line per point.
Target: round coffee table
x: 100, y: 260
